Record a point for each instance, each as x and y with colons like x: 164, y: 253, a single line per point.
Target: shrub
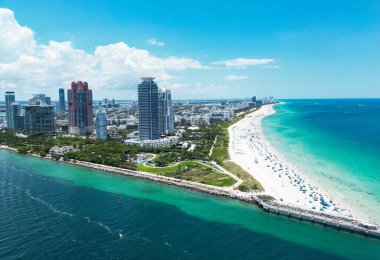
x: 22, y: 149
x: 55, y: 156
x: 266, y: 198
x: 243, y: 188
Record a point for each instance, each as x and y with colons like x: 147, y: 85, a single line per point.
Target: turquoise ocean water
x: 50, y: 210
x: 337, y: 143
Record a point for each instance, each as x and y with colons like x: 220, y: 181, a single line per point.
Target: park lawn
x: 171, y: 168
x: 191, y: 171
x: 220, y: 154
x: 250, y: 183
x: 206, y: 176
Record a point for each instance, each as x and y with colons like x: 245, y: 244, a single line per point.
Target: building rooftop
x: 147, y: 78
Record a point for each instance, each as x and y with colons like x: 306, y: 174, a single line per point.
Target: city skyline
x: 189, y: 129
x: 285, y: 49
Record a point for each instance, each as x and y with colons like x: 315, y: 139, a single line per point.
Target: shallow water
x: 337, y: 143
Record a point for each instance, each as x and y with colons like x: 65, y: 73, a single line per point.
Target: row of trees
x: 113, y: 152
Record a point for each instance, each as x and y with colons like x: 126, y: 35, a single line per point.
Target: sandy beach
x: 280, y: 179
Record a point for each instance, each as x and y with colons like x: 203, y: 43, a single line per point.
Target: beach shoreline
x: 251, y: 149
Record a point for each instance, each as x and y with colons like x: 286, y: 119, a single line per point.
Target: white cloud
x: 240, y: 63
x: 155, y: 42
x: 29, y: 67
x: 15, y: 40
x: 235, y: 77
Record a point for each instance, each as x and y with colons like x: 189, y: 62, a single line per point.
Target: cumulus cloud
x: 15, y: 40
x: 155, y: 42
x: 241, y: 63
x: 235, y: 77
x: 29, y: 67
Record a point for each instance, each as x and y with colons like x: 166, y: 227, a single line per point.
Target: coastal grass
x: 266, y: 198
x: 190, y: 171
x: 249, y: 184
x: 220, y: 152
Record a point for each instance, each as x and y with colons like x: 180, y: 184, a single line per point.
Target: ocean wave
x: 57, y: 211
x: 10, y: 184
x: 100, y: 224
x: 49, y: 206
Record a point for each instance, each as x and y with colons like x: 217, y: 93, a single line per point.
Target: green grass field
x: 191, y: 171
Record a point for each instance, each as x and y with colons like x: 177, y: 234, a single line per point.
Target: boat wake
x: 57, y: 211
x: 65, y: 213
x: 53, y: 209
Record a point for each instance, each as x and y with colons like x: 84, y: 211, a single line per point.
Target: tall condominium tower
x: 9, y: 99
x: 61, y: 102
x: 39, y: 118
x: 149, y: 125
x: 16, y: 120
x: 101, y: 123
x: 80, y: 108
x: 166, y: 112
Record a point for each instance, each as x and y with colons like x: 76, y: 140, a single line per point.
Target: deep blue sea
x: 337, y: 143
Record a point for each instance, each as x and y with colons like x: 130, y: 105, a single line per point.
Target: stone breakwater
x: 339, y: 223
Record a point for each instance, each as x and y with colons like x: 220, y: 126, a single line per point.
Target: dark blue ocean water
x: 337, y: 142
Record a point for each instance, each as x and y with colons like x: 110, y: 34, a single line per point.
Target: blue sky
x: 288, y: 49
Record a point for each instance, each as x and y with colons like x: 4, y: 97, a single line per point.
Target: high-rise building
x: 149, y: 125
x: 61, y: 102
x: 39, y: 118
x: 80, y: 108
x: 48, y: 101
x: 40, y: 99
x: 16, y: 120
x: 166, y: 112
x: 9, y: 99
x: 101, y: 123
